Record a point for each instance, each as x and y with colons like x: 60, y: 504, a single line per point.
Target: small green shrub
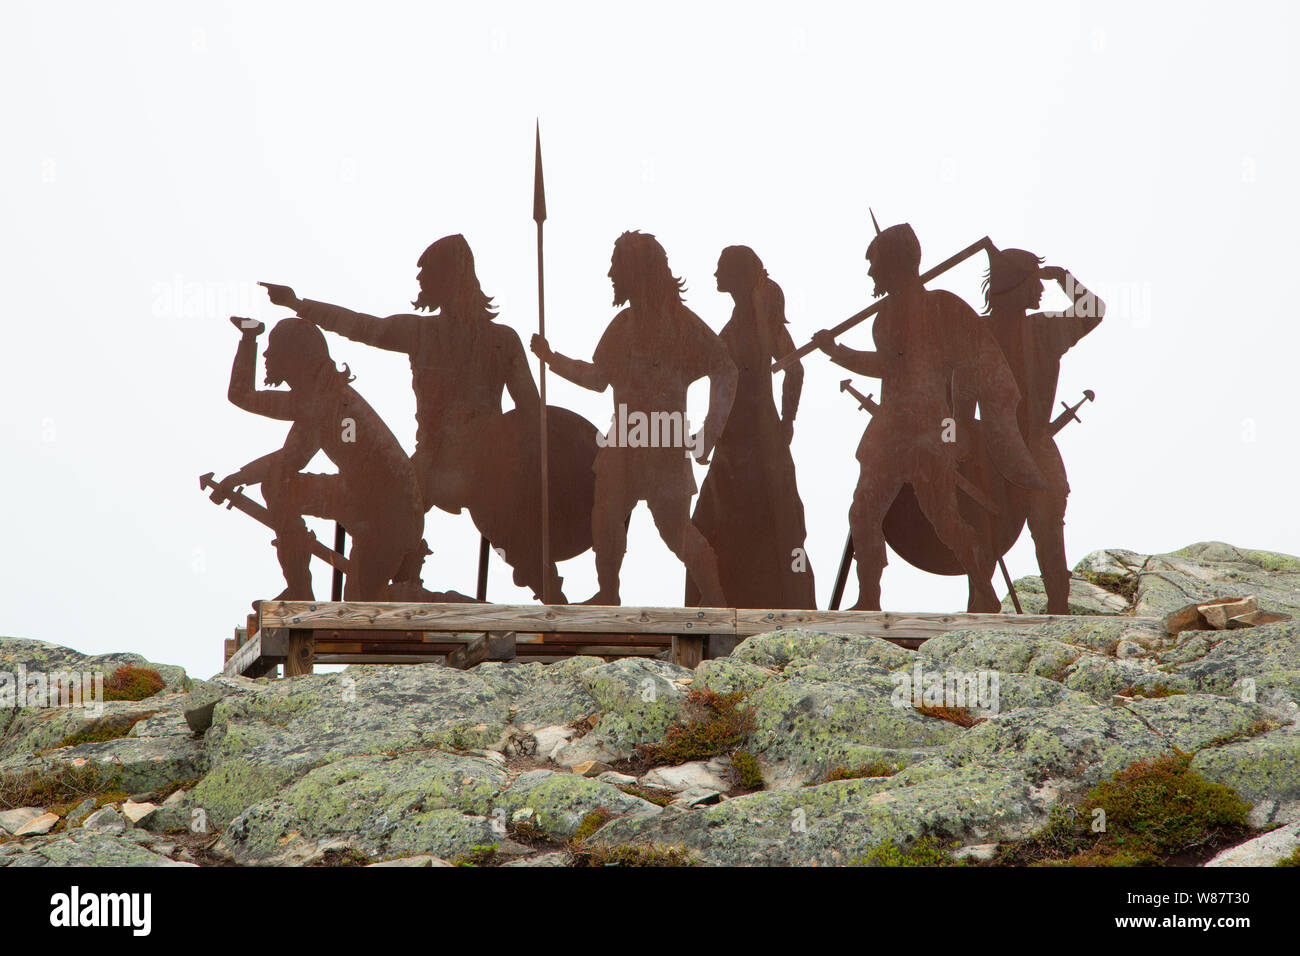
x: 923, y: 851
x: 746, y: 766
x: 632, y: 855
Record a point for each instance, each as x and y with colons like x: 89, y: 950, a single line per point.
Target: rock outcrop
x: 858, y: 743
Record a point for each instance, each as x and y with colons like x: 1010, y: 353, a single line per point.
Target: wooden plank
x: 894, y: 624
x: 452, y: 617
x: 332, y: 658
x: 261, y: 652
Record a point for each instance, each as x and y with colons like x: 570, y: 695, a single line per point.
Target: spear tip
x: 539, y: 187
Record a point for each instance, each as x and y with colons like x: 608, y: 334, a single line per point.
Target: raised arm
x: 242, y: 391
x: 587, y: 374
x: 1085, y: 312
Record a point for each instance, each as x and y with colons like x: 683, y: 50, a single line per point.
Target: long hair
x: 452, y: 257
x: 306, y: 345
x: 1008, y: 268
x: 649, y: 262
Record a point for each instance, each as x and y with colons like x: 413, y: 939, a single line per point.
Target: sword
x: 237, y: 499
x: 1069, y: 415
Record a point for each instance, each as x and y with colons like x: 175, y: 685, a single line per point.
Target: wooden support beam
x: 688, y: 650
x: 302, y: 652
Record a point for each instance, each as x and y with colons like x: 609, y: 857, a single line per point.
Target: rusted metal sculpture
x: 469, y: 454
x: 650, y: 354
x: 374, y: 494
x: 936, y: 361
x: 749, y: 507
x: 1033, y: 345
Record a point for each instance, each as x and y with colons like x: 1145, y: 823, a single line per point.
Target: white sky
x: 1149, y: 148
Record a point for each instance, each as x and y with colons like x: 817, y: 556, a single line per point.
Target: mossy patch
x: 1292, y: 860
x: 1150, y: 691
x: 476, y: 856
x: 874, y: 768
x: 113, y: 727
x: 923, y: 851
x: 1156, y: 812
x: 714, y: 725
x: 632, y: 854
x: 61, y: 785
x: 1125, y: 585
x: 592, y: 822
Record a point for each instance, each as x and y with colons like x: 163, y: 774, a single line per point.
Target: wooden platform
x: 298, y: 634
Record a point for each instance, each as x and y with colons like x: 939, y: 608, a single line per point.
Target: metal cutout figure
x: 749, y: 507
x: 469, y: 454
x: 1034, y: 345
x: 374, y: 494
x: 650, y: 353
x: 936, y: 361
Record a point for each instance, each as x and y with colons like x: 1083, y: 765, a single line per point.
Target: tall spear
x: 539, y: 217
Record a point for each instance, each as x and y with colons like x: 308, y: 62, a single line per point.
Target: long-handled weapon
x: 258, y: 512
x: 982, y: 245
x: 539, y: 217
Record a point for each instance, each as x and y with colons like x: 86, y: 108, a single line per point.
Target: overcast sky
x: 161, y: 158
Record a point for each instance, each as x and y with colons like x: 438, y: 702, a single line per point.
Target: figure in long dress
x: 749, y: 507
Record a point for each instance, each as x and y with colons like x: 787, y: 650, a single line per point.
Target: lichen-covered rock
x: 383, y: 806
x: 1081, y: 743
x: 88, y: 847
x: 260, y: 742
x: 1262, y: 663
x: 1202, y: 572
x: 1085, y: 598
x: 1101, y: 677
x: 560, y: 801
x: 1260, y: 768
x: 779, y: 648
x: 838, y: 823
x: 542, y: 695
x: 129, y: 764
x: 1191, y: 722
x: 1008, y: 651
x: 638, y: 699
x: 44, y: 658
x: 730, y: 675
x: 827, y: 715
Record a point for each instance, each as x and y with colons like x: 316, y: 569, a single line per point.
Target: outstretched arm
x: 397, y: 333
x: 587, y: 374
x: 242, y: 391
x: 863, y: 363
